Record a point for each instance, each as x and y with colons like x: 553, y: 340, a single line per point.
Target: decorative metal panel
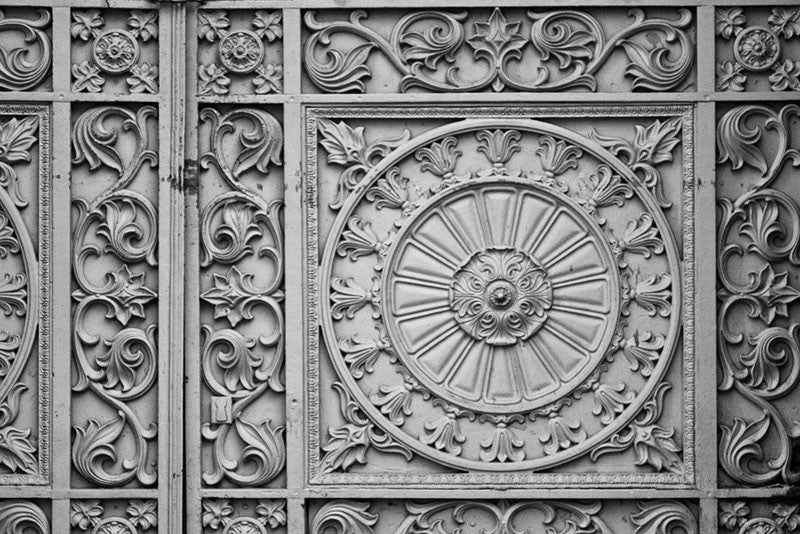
x: 376, y: 267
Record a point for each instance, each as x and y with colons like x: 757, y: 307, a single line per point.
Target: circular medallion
x: 241, y: 51
x: 757, y: 48
x: 504, y: 324
x: 244, y: 525
x: 114, y: 525
x: 510, y: 319
x: 760, y: 525
x: 115, y: 51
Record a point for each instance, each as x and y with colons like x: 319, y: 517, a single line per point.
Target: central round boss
x: 500, y: 295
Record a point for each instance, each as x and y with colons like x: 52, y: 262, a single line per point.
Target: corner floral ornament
x: 758, y: 48
x: 500, y: 296
x: 114, y: 51
x: 240, y: 52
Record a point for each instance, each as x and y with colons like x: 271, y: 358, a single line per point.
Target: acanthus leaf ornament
x: 240, y: 229
x: 503, y: 516
x: 344, y: 517
x: 22, y: 516
x: 25, y: 68
x: 348, y: 444
x: 348, y: 148
x: 119, y: 224
x: 575, y: 39
x: 653, y: 444
x: 759, y: 353
x: 664, y: 517
x: 652, y: 146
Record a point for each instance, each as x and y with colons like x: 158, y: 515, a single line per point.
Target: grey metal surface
x: 359, y: 267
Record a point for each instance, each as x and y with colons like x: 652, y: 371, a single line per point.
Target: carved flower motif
x: 142, y: 513
x: 212, y: 25
x: 144, y: 24
x: 785, y: 21
x: 216, y: 512
x: 271, y: 512
x: 84, y: 514
x: 729, y: 22
x: 269, y: 79
x: 115, y: 51
x: 85, y: 24
x: 143, y: 79
x: 87, y: 78
x: 213, y: 80
x: 241, y: 51
x: 785, y: 76
x: 732, y: 513
x: 757, y: 48
x: 730, y: 77
x: 500, y: 296
x: 268, y: 24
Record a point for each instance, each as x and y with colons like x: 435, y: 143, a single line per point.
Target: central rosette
x: 501, y: 296
x: 498, y: 295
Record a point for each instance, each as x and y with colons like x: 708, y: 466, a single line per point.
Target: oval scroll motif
x: 498, y: 272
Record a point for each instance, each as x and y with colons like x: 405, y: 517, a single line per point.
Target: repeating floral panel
x: 758, y: 49
x: 240, y: 52
x: 611, y: 50
x: 502, y: 298
x: 114, y: 51
x: 757, y: 255
x: 241, y: 297
x: 25, y: 49
x: 24, y: 294
x: 244, y: 516
x: 115, y: 295
x: 133, y: 516
x: 776, y: 516
x: 456, y: 516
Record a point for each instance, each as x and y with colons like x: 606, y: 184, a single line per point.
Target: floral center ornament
x: 757, y: 48
x: 115, y: 51
x: 241, y: 51
x: 500, y: 296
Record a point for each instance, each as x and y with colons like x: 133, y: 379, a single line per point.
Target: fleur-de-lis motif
x: 503, y: 445
x: 444, y: 433
x: 557, y: 156
x: 499, y: 146
x: 362, y: 354
x: 394, y: 402
x: 497, y: 41
x: 640, y: 237
x: 440, y: 158
x: 652, y: 293
x: 348, y: 297
x: 391, y: 191
x: 561, y: 433
x: 605, y: 188
x: 360, y: 240
x: 13, y: 294
x: 641, y: 350
x: 17, y: 137
x: 610, y: 400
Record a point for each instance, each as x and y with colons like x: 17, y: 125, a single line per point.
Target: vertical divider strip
x: 294, y: 262
x: 61, y: 278
x: 171, y: 122
x: 706, y: 52
x: 192, y: 421
x: 706, y: 311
